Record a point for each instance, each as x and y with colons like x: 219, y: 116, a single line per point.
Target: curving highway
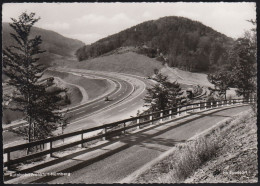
x: 125, y: 100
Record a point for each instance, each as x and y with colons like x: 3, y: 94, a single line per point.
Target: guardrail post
x: 178, y: 112
x: 161, y: 115
x: 205, y: 105
x: 104, y: 132
x: 49, y: 147
x: 211, y: 104
x: 7, y: 159
x: 82, y: 140
x: 170, y: 113
x: 124, y: 127
x: 138, y: 121
x: 151, y: 118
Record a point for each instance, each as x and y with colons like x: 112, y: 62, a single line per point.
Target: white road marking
x: 99, y: 98
x: 95, y: 106
x: 133, y: 104
x: 80, y: 112
x: 121, y: 109
x: 109, y: 116
x: 116, y: 103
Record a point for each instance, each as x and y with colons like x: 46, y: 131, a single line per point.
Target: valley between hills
x: 107, y: 81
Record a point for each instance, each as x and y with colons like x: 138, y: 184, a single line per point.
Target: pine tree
x: 164, y: 94
x: 243, y: 60
x: 241, y: 71
x: 31, y: 94
x: 222, y: 80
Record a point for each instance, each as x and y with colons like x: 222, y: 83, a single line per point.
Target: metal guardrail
x: 108, y: 130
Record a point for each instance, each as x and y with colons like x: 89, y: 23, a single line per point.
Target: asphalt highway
x: 115, y: 160
x: 123, y: 89
x: 90, y: 114
x: 122, y: 105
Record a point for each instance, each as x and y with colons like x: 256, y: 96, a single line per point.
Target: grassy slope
x: 73, y: 92
x: 130, y: 62
x: 236, y: 159
x: 235, y: 149
x: 93, y: 87
x: 57, y: 47
x: 137, y: 64
x: 53, y: 42
x: 186, y: 77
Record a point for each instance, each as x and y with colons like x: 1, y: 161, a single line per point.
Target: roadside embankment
x: 224, y: 154
x: 93, y: 87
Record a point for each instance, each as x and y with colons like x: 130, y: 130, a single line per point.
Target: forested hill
x: 56, y: 45
x: 179, y: 41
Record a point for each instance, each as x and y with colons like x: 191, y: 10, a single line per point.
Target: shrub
x: 190, y: 157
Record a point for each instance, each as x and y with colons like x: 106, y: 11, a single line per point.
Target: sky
x: 90, y: 22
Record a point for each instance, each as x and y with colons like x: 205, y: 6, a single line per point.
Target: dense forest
x: 178, y: 41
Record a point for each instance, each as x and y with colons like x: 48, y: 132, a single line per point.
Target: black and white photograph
x: 129, y: 92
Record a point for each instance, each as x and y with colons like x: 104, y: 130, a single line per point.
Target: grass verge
x: 226, y: 153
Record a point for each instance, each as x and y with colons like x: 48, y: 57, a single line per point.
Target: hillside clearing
x: 234, y: 160
x: 129, y: 63
x: 186, y: 77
